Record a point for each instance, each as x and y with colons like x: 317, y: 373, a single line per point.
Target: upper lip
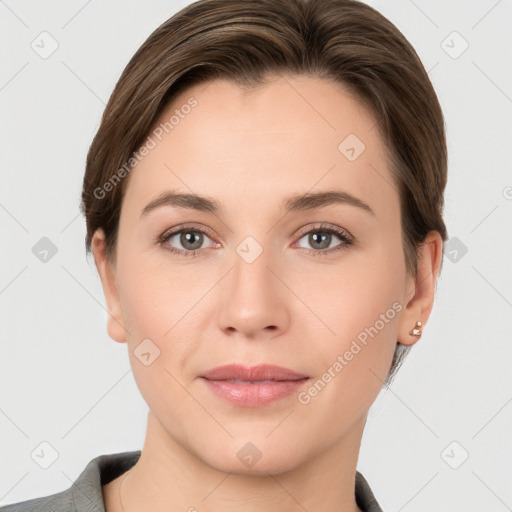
x: 252, y: 373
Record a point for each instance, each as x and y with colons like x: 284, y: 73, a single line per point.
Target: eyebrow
x: 297, y: 202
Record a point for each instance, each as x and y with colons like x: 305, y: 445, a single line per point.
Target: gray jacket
x: 85, y: 495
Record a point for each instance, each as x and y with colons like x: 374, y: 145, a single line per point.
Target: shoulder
x: 59, y: 502
x: 86, y: 492
x: 365, y: 498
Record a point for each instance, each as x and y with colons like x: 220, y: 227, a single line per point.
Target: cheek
x: 161, y: 334
x: 162, y: 305
x: 361, y: 306
x: 352, y: 366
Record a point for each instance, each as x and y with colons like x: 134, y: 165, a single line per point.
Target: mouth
x: 260, y: 373
x: 253, y: 386
x: 256, y: 381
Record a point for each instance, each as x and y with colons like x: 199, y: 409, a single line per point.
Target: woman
x: 264, y: 204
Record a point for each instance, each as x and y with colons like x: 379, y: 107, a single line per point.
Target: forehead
x: 292, y: 134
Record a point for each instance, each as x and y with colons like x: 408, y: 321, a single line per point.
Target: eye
x: 191, y: 240
x: 321, y: 238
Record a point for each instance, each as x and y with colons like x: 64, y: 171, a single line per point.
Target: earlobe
x: 115, y: 322
x: 422, y: 287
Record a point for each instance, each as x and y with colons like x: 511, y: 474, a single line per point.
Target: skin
x: 249, y: 151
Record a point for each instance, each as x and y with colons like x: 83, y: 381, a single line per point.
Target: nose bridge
x: 251, y: 275
x: 254, y: 299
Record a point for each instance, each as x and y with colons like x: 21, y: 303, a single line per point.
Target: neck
x: 168, y: 477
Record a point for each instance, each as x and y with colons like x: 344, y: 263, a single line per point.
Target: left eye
x: 321, y: 239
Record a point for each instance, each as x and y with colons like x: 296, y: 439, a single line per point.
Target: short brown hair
x: 246, y: 41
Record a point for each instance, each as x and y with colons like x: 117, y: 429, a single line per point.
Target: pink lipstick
x: 253, y: 386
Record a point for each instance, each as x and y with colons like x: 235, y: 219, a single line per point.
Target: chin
x: 259, y: 457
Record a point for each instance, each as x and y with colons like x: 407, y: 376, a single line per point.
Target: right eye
x: 191, y: 240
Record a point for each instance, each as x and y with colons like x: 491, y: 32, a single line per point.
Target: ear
x: 421, y: 288
x: 107, y: 272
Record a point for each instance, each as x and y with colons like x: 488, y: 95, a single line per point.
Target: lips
x: 255, y: 386
x: 263, y: 372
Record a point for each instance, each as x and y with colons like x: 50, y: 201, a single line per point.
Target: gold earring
x: 416, y: 331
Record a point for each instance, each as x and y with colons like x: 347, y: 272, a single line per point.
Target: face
x: 272, y: 276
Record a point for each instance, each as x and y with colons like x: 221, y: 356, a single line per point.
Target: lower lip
x: 254, y: 394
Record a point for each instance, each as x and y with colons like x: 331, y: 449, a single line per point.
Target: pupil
x: 187, y: 238
x: 323, y: 236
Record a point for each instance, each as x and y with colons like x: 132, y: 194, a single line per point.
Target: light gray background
x: 63, y: 381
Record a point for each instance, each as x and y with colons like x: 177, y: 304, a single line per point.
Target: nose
x: 254, y: 300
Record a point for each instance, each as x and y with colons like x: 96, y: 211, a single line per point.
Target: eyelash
x: 347, y: 239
